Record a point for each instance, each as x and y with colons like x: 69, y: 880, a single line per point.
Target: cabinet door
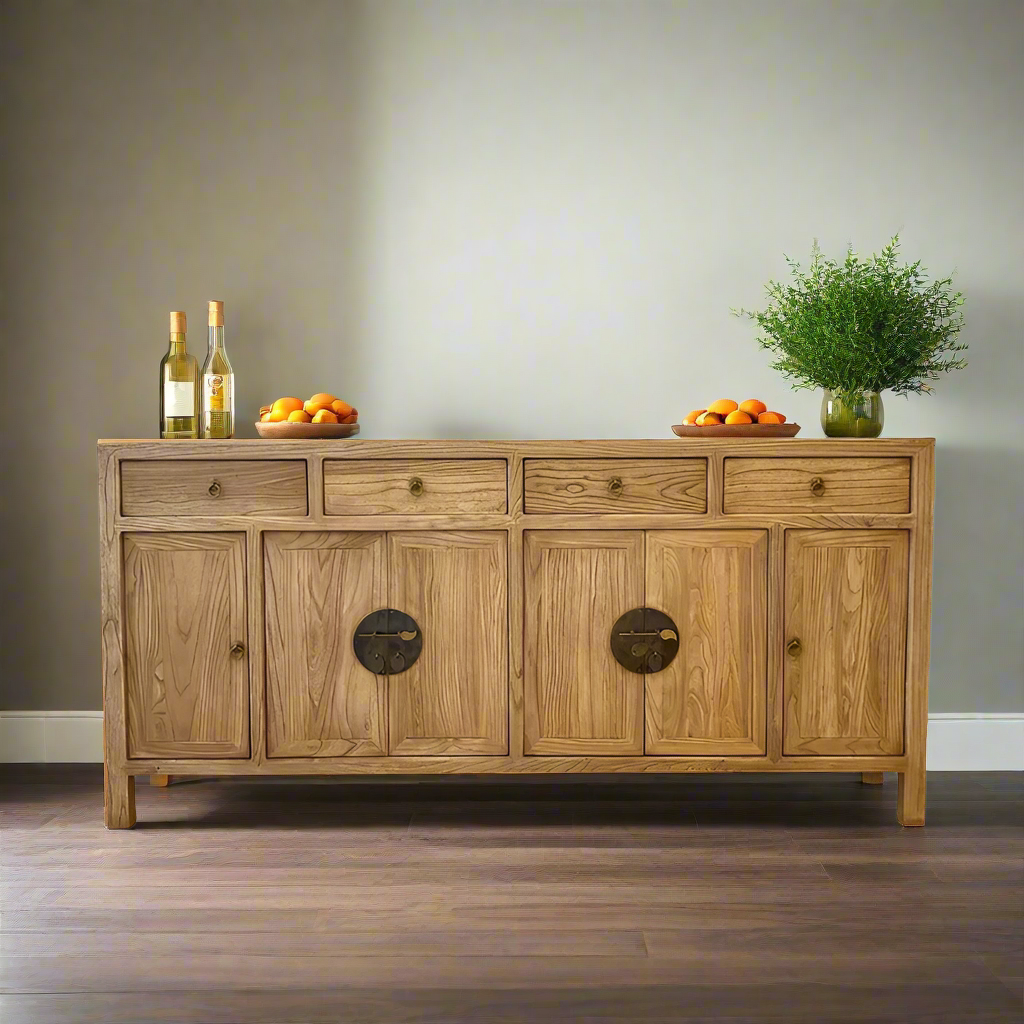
x: 578, y: 698
x: 846, y: 632
x: 714, y: 586
x: 454, y: 698
x: 321, y: 702
x: 187, y: 669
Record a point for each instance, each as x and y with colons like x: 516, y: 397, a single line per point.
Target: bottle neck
x: 216, y: 338
x: 177, y: 342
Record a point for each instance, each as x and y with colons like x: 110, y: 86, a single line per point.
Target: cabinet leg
x: 910, y: 800
x: 118, y: 799
x: 160, y: 780
x: 872, y: 778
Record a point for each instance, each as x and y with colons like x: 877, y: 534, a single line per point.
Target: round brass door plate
x: 644, y: 640
x: 387, y: 642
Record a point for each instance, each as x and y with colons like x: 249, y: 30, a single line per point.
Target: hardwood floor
x: 740, y: 898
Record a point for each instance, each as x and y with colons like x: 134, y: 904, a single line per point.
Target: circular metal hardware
x: 214, y: 489
x: 644, y: 640
x: 415, y: 486
x: 793, y: 648
x: 615, y: 486
x: 237, y: 649
x: 387, y: 642
x: 817, y: 487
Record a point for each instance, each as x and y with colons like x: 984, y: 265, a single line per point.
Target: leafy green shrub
x: 861, y: 325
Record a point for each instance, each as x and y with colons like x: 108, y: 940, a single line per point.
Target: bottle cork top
x: 216, y: 313
x: 177, y: 323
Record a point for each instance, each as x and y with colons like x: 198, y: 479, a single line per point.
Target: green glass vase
x: 840, y: 418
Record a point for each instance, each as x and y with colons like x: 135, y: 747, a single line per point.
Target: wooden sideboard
x: 238, y: 577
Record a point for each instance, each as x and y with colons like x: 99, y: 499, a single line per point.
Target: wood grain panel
x: 184, y: 608
x: 847, y: 484
x: 587, y: 485
x: 846, y: 604
x: 321, y: 702
x: 578, y: 698
x: 354, y: 487
x: 182, y: 487
x: 454, y: 699
x: 711, y: 698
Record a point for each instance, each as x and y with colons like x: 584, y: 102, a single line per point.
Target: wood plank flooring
x: 740, y: 898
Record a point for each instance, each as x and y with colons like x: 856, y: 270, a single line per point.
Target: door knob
x: 793, y: 648
x: 237, y: 649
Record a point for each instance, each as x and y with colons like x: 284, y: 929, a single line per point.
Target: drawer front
x: 616, y: 485
x: 817, y: 485
x: 214, y: 487
x: 376, y: 487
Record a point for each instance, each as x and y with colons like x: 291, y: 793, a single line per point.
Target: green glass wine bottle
x: 179, y: 386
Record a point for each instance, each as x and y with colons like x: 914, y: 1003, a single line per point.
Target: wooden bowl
x: 288, y: 430
x: 738, y: 430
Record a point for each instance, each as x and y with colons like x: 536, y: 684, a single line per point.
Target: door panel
x: 711, y: 697
x: 321, y: 702
x: 578, y: 698
x: 846, y: 605
x: 454, y: 698
x: 188, y: 694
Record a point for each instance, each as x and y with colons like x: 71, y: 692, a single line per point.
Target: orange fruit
x: 285, y: 405
x: 690, y: 419
x: 738, y: 416
x: 708, y: 419
x: 264, y: 408
x: 723, y: 406
x: 341, y: 409
x: 299, y: 416
x: 349, y: 419
x: 277, y: 415
x: 325, y: 416
x: 264, y: 417
x: 321, y: 400
x: 753, y: 407
x: 771, y: 417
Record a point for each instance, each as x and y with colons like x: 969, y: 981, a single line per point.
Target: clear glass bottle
x: 218, y: 381
x: 179, y: 386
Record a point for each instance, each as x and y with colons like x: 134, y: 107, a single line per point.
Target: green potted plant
x: 858, y: 328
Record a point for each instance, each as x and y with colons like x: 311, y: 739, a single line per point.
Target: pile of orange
x: 321, y: 408
x: 731, y: 413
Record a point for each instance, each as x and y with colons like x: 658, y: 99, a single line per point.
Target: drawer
x: 616, y: 485
x: 377, y: 487
x: 213, y: 487
x: 817, y: 485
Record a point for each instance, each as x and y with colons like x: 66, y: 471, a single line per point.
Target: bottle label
x: 217, y: 392
x: 179, y: 398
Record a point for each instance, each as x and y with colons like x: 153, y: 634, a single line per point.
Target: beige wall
x: 492, y: 219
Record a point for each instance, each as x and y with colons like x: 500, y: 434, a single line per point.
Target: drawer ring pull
x: 793, y: 648
x: 615, y: 486
x: 214, y: 489
x: 817, y: 486
x: 237, y: 649
x: 415, y: 486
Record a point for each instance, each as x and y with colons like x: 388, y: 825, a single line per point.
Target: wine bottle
x: 218, y: 381
x: 179, y: 386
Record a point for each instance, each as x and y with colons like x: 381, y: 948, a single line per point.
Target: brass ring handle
x: 237, y: 649
x: 793, y: 648
x: 817, y: 487
x: 214, y: 489
x: 415, y: 486
x: 615, y: 486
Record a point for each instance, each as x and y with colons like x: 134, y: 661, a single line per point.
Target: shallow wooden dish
x: 738, y: 430
x: 306, y: 430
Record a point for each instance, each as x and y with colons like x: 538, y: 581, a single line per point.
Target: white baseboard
x: 956, y: 742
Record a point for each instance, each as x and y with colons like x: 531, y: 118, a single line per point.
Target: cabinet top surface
x: 665, y: 447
